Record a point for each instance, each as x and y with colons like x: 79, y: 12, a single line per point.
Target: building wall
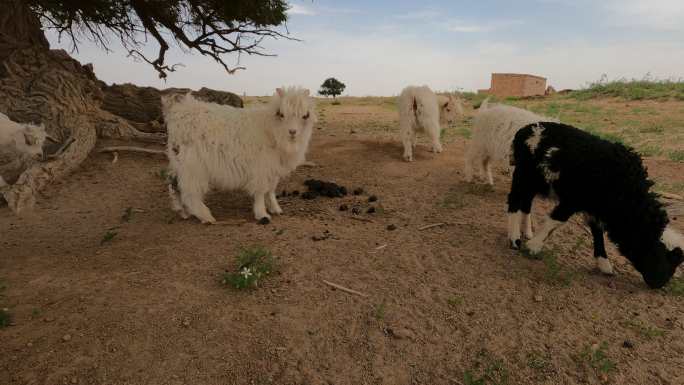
x: 517, y: 85
x: 534, y: 86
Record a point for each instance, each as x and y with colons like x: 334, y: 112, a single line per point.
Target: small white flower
x: 246, y: 272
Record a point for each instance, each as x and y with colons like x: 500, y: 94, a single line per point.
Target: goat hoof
x: 605, y: 266
x: 264, y: 221
x: 534, y: 247
x: 515, y: 244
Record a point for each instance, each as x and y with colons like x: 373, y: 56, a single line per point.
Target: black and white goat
x: 607, y: 182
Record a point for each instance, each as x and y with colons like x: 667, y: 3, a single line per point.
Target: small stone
x: 29, y: 345
x: 372, y: 198
x: 392, y: 227
x: 66, y: 338
x: 356, y: 211
x: 358, y: 191
x: 371, y: 210
x: 344, y: 207
x: 264, y: 221
x: 628, y: 344
x: 401, y: 333
x: 49, y: 319
x: 186, y: 322
x: 538, y: 298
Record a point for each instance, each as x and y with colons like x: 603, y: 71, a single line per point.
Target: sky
x: 379, y: 47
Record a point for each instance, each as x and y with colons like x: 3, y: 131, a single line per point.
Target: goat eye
x: 306, y: 116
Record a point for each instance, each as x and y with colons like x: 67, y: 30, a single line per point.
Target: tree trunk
x: 40, y: 85
x: 19, y: 28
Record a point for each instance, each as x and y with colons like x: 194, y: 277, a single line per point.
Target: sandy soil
x: 447, y: 305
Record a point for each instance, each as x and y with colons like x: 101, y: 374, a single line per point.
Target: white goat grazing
x: 21, y: 144
x: 421, y: 110
x: 494, y: 128
x: 215, y: 146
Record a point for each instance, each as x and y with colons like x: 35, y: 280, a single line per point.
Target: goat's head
x: 661, y: 265
x: 294, y: 115
x: 31, y: 140
x: 449, y: 108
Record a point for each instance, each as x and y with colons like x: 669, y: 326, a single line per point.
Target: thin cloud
x: 298, y: 9
x: 666, y: 15
x: 423, y: 15
x: 488, y: 26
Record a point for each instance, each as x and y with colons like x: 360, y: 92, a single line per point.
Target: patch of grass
x: 675, y: 287
x: 647, y: 88
x: 5, y: 315
x: 644, y: 111
x: 650, y: 150
x: 609, y: 136
x: 651, y: 129
x: 108, y: 237
x: 597, y: 358
x: 464, y: 132
x: 486, y: 370
x: 5, y: 318
x: 453, y: 199
x: 554, y: 273
x: 378, y: 311
x: 163, y: 174
x: 336, y: 103
x: 478, y: 188
x: 254, y: 263
x: 538, y: 361
x: 612, y: 137
x: 643, y: 330
x: 455, y: 301
x: 552, y: 110
x: 676, y: 156
x: 476, y: 99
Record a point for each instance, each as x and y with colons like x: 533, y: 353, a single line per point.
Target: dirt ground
x: 446, y: 305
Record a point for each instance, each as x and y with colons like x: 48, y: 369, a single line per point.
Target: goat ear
x: 280, y: 92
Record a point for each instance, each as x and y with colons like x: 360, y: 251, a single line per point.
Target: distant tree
x: 332, y: 86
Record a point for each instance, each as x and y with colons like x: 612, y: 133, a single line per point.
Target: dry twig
x: 346, y: 290
x: 132, y: 149
x: 431, y: 226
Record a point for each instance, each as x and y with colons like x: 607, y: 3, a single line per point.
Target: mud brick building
x: 517, y: 85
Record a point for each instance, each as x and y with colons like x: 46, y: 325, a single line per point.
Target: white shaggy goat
x: 21, y: 144
x: 493, y: 130
x: 214, y: 146
x: 420, y: 109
